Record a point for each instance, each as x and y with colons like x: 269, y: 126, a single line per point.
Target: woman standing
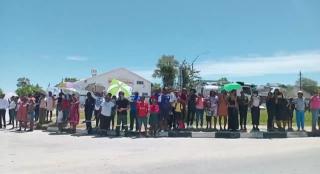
x: 199, y: 110
x: 270, y: 102
x: 42, y: 110
x: 22, y: 113
x: 233, y: 111
x: 74, y: 113
x: 154, y: 115
x: 223, y: 110
x: 255, y: 111
x: 315, y: 108
x: 31, y: 113
x: 282, y: 112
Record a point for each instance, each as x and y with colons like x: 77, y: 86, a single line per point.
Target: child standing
x: 154, y: 114
x: 178, y: 109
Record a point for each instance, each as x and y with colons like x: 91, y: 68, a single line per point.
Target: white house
x: 138, y: 83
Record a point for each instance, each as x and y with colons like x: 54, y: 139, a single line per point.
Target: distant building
x: 138, y: 83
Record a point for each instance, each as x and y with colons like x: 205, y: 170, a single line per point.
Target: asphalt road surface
x: 43, y: 153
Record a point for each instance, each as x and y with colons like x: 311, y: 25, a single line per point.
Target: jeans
x: 144, y: 121
x: 2, y: 117
x: 300, y: 119
x: 315, y: 118
x: 199, y: 117
x: 271, y: 117
x: 12, y: 115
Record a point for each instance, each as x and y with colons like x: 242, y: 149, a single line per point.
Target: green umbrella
x: 231, y: 86
x: 116, y: 86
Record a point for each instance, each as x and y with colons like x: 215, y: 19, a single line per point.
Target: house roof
x: 118, y: 69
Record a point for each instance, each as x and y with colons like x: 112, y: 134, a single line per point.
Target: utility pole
x: 300, y: 80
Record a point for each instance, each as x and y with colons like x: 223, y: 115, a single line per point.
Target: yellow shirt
x: 177, y: 107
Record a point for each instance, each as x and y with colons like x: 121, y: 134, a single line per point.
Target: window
x: 139, y: 82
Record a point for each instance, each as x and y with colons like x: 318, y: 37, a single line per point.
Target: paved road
x: 40, y: 152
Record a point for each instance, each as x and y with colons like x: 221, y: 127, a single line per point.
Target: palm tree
x: 167, y: 70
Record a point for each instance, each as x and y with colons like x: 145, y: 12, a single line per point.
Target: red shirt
x: 154, y: 108
x: 65, y: 104
x: 142, y: 108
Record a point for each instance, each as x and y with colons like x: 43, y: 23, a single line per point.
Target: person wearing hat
x: 4, y: 104
x: 300, y: 107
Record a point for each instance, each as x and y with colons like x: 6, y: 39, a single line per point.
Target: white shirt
x: 4, y: 104
x: 106, y: 108
x: 49, y: 103
x: 12, y: 105
x: 255, y: 101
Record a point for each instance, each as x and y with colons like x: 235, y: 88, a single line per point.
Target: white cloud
x: 307, y: 62
x: 77, y: 58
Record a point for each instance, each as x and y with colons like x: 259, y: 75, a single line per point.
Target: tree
x: 190, y: 77
x: 25, y: 88
x: 223, y: 81
x: 1, y: 92
x: 309, y: 85
x: 23, y: 81
x: 70, y: 79
x: 155, y: 87
x: 167, y: 70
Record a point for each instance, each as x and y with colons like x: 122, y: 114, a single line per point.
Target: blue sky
x: 249, y: 40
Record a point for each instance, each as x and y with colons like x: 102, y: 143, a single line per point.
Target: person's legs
x: 124, y: 122
x: 88, y: 117
x: 201, y: 117
x: 314, y: 119
x: 1, y: 115
x: 3, y: 118
x: 197, y: 117
x: 113, y: 115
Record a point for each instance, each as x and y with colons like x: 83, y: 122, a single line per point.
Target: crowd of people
x: 164, y: 110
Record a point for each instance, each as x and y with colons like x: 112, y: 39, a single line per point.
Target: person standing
x: 12, y: 110
x: 165, y: 108
x: 213, y: 107
x: 4, y: 104
x: 97, y: 108
x: 315, y: 109
x: 255, y: 103
x: 106, y: 112
x: 122, y: 112
x: 22, y: 113
x: 192, y: 100
x: 300, y: 107
x: 37, y: 107
x: 142, y: 110
x: 290, y: 109
x: 199, y: 110
x: 74, y: 113
x: 282, y: 113
x: 233, y: 111
x: 31, y: 113
x: 270, y: 103
x: 50, y: 105
x: 223, y: 110
x: 114, y: 111
x: 42, y: 110
x: 154, y: 115
x: 133, y: 111
x: 243, y: 102
x: 88, y: 111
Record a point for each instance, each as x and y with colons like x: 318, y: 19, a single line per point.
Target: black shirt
x: 124, y: 103
x: 89, y: 104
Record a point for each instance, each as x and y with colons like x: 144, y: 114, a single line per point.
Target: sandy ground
x: 41, y: 152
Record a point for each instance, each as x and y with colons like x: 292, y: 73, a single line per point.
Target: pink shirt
x: 315, y: 102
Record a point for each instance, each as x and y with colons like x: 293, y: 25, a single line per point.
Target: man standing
x: 255, y: 103
x: 50, y: 105
x: 191, y: 107
x: 122, y: 111
x: 243, y: 103
x: 165, y: 108
x: 4, y: 104
x: 300, y: 106
x: 106, y: 110
x: 133, y: 111
x: 142, y: 110
x: 88, y: 111
x: 97, y: 108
